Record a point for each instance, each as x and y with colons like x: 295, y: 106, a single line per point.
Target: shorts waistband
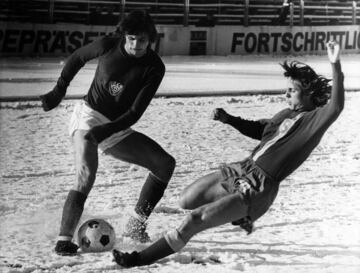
x: 250, y: 165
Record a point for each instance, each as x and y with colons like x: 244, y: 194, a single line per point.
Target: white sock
x: 139, y: 217
x: 174, y: 240
x: 64, y: 238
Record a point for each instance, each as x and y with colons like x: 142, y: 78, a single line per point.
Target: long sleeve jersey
x: 288, y: 138
x: 123, y: 86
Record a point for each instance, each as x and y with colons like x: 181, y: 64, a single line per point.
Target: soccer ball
x: 96, y: 235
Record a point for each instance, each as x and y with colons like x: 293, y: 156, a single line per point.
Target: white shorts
x: 84, y: 118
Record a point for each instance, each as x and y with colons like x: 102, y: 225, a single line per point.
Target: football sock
x: 174, y: 240
x: 245, y: 223
x: 73, y: 208
x: 151, y: 193
x: 154, y: 252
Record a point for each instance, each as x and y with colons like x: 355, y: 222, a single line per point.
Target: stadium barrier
x: 185, y: 12
x: 49, y: 40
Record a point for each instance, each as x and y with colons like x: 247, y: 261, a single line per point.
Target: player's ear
x: 305, y: 93
x: 305, y: 84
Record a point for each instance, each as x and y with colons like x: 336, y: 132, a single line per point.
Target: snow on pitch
x: 313, y: 226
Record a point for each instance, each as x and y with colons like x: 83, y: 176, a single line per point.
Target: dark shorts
x: 257, y: 190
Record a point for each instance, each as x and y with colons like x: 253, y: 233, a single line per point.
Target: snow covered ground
x: 313, y: 225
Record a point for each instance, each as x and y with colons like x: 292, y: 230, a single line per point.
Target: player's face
x: 294, y: 95
x: 136, y: 45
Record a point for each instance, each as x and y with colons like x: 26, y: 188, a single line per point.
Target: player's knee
x: 183, y: 203
x: 86, y: 173
x: 185, y: 200
x: 85, y: 178
x: 170, y: 164
x: 194, y: 223
x: 195, y: 218
x: 165, y: 167
x: 191, y: 198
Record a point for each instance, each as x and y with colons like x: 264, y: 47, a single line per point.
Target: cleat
x: 66, y: 248
x: 245, y: 223
x: 126, y: 259
x: 136, y: 230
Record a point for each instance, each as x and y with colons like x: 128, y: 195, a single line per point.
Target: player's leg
x: 222, y: 211
x: 214, y: 186
x: 205, y: 190
x: 86, y: 163
x: 141, y: 150
x: 219, y: 212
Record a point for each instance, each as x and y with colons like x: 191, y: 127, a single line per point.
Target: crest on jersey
x: 286, y: 125
x: 115, y: 88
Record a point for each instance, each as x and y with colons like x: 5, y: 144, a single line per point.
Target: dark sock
x: 245, y: 223
x: 154, y: 252
x: 73, y: 208
x: 151, y: 193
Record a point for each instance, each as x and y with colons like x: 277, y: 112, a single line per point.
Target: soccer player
x: 127, y: 76
x: 241, y: 192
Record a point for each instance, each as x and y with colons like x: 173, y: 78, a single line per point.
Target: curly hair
x: 137, y: 22
x: 316, y: 85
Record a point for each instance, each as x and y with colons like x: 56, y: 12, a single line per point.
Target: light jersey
x: 288, y: 139
x: 123, y: 85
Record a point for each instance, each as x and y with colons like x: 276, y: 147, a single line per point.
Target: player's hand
x: 97, y: 134
x: 52, y: 99
x: 220, y: 114
x: 126, y: 259
x: 333, y: 50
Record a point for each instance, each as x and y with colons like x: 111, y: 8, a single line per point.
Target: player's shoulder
x: 104, y: 43
x: 96, y: 48
x: 318, y: 112
x: 109, y: 41
x: 283, y: 113
x: 155, y: 61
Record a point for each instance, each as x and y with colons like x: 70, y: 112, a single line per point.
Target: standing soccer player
x: 241, y: 192
x: 128, y: 75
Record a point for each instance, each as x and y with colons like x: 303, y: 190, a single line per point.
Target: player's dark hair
x: 137, y: 22
x: 316, y: 85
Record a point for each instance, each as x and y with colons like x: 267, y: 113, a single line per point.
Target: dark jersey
x: 286, y: 140
x: 123, y: 86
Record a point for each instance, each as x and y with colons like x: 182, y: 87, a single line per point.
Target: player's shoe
x: 136, y: 230
x: 66, y: 248
x: 245, y: 223
x: 126, y: 259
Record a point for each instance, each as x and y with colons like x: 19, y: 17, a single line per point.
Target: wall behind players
x: 43, y: 40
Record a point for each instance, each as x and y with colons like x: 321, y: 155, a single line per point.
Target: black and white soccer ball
x: 96, y: 235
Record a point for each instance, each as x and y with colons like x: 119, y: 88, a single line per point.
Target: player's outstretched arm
x: 53, y: 98
x: 336, y: 103
x: 249, y: 128
x: 220, y: 115
x: 73, y: 64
